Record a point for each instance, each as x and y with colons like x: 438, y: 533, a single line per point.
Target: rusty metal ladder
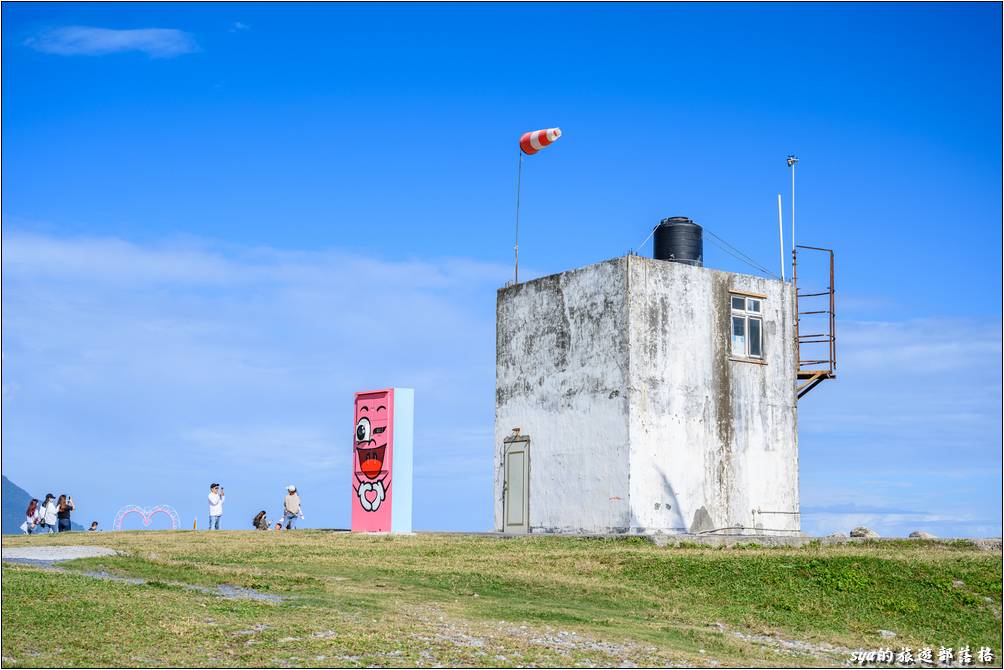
x: 813, y: 371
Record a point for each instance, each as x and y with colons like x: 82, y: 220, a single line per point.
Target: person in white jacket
x: 48, y: 514
x: 32, y: 516
x: 215, y: 506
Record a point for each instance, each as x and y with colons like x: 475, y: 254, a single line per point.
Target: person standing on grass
x: 63, y: 509
x: 291, y: 508
x: 48, y: 514
x: 215, y: 506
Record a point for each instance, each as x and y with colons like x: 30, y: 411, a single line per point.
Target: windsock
x: 536, y: 140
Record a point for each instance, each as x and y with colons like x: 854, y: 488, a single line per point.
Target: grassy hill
x: 427, y: 599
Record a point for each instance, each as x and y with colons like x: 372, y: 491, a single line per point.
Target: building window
x: 747, y: 327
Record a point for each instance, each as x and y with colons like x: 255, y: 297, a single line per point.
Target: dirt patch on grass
x: 52, y: 554
x: 821, y: 651
x: 524, y: 645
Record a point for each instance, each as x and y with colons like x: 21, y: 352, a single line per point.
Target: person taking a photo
x: 215, y: 506
x: 63, y: 508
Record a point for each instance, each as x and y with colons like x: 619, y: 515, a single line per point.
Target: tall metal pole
x: 780, y: 234
x: 519, y: 178
x: 792, y: 161
x: 794, y: 298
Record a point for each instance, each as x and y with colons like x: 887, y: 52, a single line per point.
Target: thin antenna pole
x: 793, y: 203
x: 794, y: 299
x: 792, y: 162
x: 780, y: 233
x: 519, y: 179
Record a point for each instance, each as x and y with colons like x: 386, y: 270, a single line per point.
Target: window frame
x: 744, y: 316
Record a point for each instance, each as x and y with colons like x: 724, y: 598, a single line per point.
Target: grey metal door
x: 516, y: 485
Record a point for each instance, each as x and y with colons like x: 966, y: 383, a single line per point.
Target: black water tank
x: 680, y: 240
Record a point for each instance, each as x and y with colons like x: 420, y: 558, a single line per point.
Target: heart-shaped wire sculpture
x: 147, y: 514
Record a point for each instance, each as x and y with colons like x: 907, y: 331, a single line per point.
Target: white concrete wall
x: 620, y: 373
x: 561, y: 368
x: 709, y: 432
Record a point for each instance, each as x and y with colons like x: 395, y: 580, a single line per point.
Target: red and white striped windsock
x: 536, y: 140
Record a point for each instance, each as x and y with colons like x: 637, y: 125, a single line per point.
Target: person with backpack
x: 63, y: 509
x: 48, y: 514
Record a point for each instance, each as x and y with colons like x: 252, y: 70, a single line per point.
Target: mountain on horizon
x: 14, y: 502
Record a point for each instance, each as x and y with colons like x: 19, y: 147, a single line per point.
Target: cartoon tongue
x: 371, y: 467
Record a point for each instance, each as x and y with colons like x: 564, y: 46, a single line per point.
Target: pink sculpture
x: 382, y: 456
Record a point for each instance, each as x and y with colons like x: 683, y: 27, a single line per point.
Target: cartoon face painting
x: 382, y: 444
x: 372, y: 460
x: 372, y: 479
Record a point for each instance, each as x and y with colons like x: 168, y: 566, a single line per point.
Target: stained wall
x: 640, y: 418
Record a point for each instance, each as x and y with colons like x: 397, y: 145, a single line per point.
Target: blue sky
x: 221, y: 220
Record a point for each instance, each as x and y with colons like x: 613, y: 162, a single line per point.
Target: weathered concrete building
x: 638, y: 395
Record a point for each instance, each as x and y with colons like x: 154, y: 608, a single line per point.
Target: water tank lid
x: 675, y: 219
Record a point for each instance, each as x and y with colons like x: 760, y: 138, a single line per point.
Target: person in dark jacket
x: 63, y: 508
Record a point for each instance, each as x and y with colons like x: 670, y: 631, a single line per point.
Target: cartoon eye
x: 363, y: 430
x: 377, y: 431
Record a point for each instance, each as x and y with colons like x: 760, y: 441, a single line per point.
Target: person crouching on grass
x: 32, y: 516
x: 260, y: 522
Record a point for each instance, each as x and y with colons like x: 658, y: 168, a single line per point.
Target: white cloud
x: 933, y: 377
x: 239, y: 27
x: 887, y: 521
x: 90, y: 41
x: 145, y: 371
x: 167, y: 364
x: 908, y: 435
x: 924, y: 345
x: 901, y: 525
x: 197, y: 262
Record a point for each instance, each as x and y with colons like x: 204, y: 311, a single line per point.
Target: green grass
x: 465, y: 600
